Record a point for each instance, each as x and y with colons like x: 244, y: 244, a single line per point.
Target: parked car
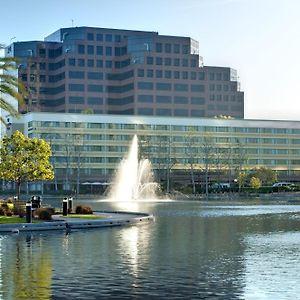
x: 283, y: 186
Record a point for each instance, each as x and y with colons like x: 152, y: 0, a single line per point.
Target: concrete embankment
x: 64, y: 223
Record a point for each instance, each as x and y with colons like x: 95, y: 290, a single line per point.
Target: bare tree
x: 191, y: 151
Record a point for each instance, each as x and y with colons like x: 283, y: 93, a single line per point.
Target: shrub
x: 9, y: 213
x: 44, y: 213
x: 84, y: 210
x: 2, y: 211
x: 19, y: 211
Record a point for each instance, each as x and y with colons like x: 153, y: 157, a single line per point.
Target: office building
x: 110, y: 71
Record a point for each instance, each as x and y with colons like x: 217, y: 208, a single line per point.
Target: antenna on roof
x: 72, y: 22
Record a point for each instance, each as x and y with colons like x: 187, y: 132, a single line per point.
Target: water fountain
x: 134, y: 179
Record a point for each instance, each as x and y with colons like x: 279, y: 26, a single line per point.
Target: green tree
x: 255, y: 183
x: 10, y: 86
x: 267, y: 176
x: 24, y: 159
x: 242, y: 178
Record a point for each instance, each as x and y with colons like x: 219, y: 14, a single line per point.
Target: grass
x: 84, y: 216
x: 15, y: 220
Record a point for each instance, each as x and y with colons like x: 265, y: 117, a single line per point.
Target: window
x: 181, y: 100
x: 193, y: 75
x: 80, y: 62
x: 168, y: 61
x: 212, y: 97
x: 99, y: 37
x: 99, y: 63
x: 141, y: 73
x: 108, y: 38
x: 99, y: 50
x: 176, y: 48
x: 163, y: 99
x: 185, y: 62
x: 43, y: 65
x: 197, y: 100
x: 95, y: 75
x: 145, y: 98
x: 90, y: 36
x: 90, y: 49
x: 211, y: 76
x: 168, y: 74
x: 185, y: 75
x: 180, y: 87
x: 219, y: 97
x: 145, y: 111
x: 117, y: 38
x: 76, y: 100
x: 108, y: 51
x: 163, y: 86
x: 94, y: 100
x: 201, y: 75
x: 176, y: 74
x: 95, y: 88
x: 81, y: 49
x: 193, y: 63
x: 219, y: 76
x: 149, y: 60
x: 197, y: 113
x: 197, y: 88
x: 168, y: 48
x: 90, y: 63
x: 158, y: 47
x: 150, y: 73
x: 163, y: 112
x: 225, y: 88
x: 158, y: 73
x: 181, y: 112
x: 108, y: 64
x: 76, y: 87
x: 185, y: 49
x: 211, y: 87
x: 76, y: 75
x: 158, y: 61
x: 145, y: 85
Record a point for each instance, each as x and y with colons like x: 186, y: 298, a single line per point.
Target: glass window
x: 168, y: 48
x: 90, y: 36
x: 159, y: 74
x: 163, y: 112
x: 211, y: 76
x: 193, y: 75
x: 163, y: 86
x: 76, y: 100
x: 81, y: 49
x: 168, y: 74
x: 80, y: 62
x: 145, y: 111
x: 90, y: 63
x: 181, y: 100
x: 197, y: 100
x: 181, y: 112
x: 185, y: 62
x: 158, y: 61
x: 95, y: 88
x: 176, y: 74
x: 141, y: 73
x: 176, y: 48
x: 168, y: 61
x: 212, y: 97
x: 76, y: 75
x: 197, y: 113
x: 197, y: 88
x: 225, y: 88
x: 176, y: 62
x: 201, y: 76
x: 117, y: 38
x: 158, y: 47
x: 99, y: 37
x: 95, y: 75
x: 149, y: 60
x: 185, y: 49
x: 108, y: 51
x: 145, y: 98
x: 150, y: 73
x: 72, y: 62
x: 99, y: 63
x: 185, y: 75
x: 99, y: 50
x: 211, y: 87
x: 163, y: 99
x: 219, y: 76
x: 108, y: 38
x: 180, y: 87
x: 108, y: 64
x: 145, y: 85
x: 76, y: 87
x: 193, y: 63
x: 90, y: 49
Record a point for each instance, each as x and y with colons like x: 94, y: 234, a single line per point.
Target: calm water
x: 193, y: 250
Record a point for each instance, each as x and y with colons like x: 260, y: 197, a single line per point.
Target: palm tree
x: 10, y: 86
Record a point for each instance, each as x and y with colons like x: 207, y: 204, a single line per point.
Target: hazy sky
x: 259, y: 38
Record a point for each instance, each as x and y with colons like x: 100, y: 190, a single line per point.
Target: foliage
x: 44, y: 213
x: 10, y: 86
x: 25, y: 159
x: 241, y: 179
x: 267, y: 176
x: 255, y: 183
x: 84, y: 210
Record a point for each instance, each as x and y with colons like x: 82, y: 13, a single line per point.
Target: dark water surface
x: 193, y: 250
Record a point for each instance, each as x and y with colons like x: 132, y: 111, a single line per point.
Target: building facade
x: 110, y: 71
x: 88, y: 148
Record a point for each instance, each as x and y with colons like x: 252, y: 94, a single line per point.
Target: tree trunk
x: 193, y: 179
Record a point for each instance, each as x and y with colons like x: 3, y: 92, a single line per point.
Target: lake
x: 193, y: 250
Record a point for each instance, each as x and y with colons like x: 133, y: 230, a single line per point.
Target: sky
x: 258, y: 38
